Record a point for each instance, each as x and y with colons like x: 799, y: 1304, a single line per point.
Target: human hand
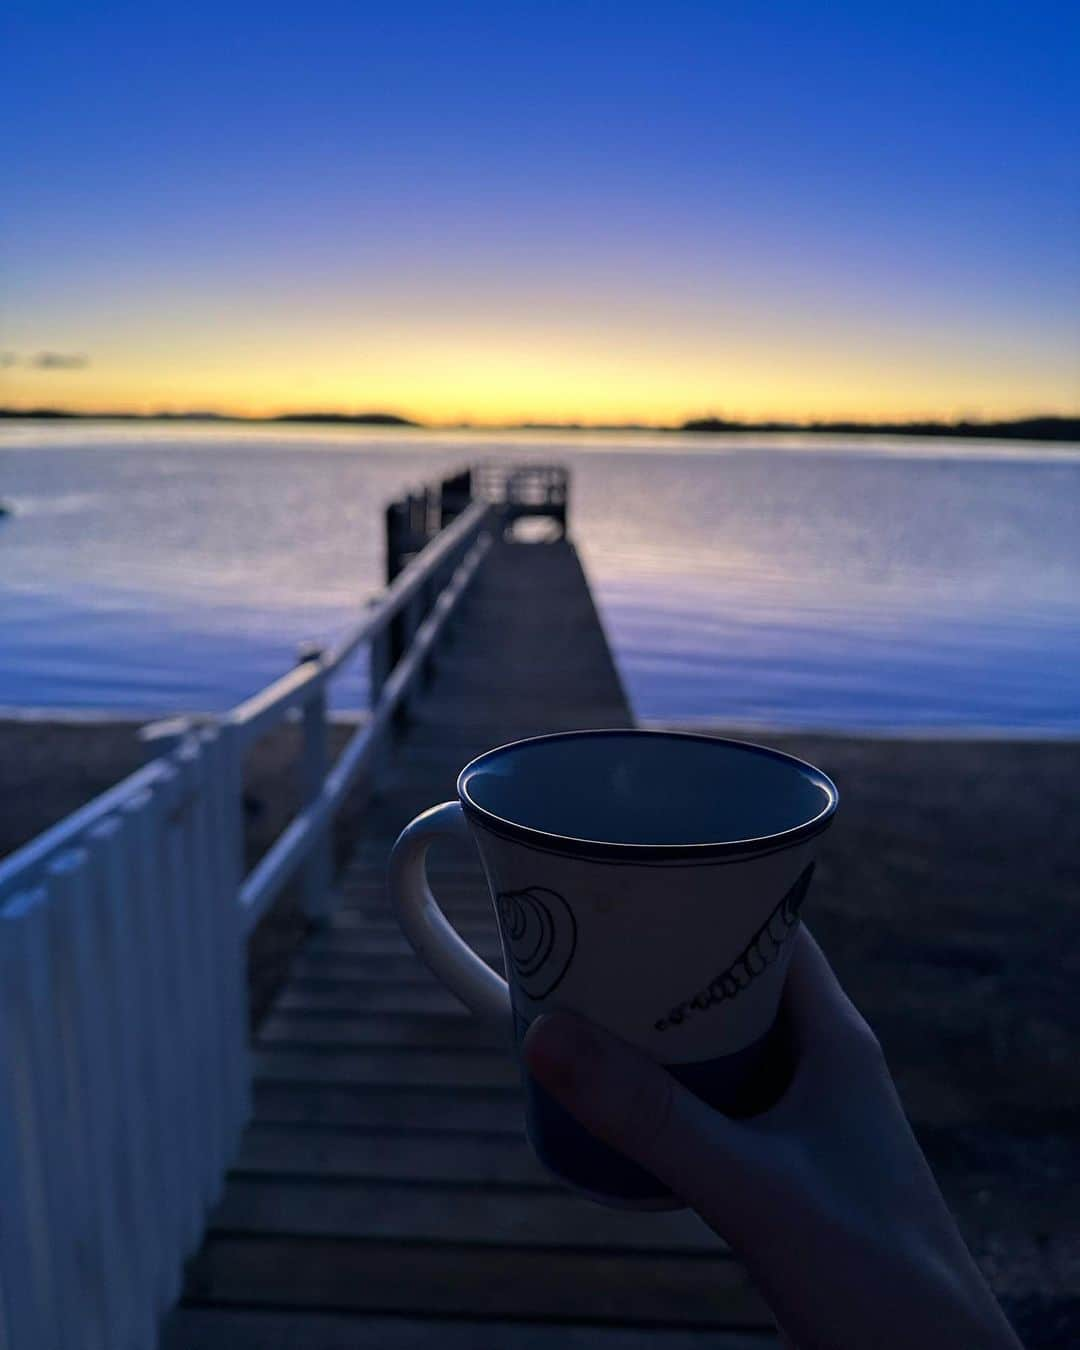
x: 826, y: 1197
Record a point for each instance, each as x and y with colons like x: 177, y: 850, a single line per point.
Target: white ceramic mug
x: 648, y: 880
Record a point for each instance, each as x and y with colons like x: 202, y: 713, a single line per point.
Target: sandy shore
x: 947, y: 897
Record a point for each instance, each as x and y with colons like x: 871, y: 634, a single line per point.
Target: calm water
x: 773, y: 581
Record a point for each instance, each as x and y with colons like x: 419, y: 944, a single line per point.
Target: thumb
x: 631, y: 1103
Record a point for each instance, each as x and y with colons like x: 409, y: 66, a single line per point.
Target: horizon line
x: 1036, y: 425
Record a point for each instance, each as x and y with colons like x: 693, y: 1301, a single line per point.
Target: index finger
x: 814, y: 1000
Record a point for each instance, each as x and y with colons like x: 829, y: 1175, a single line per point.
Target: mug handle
x: 436, y: 942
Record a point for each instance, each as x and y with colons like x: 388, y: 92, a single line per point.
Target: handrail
x: 409, y: 581
x: 300, y: 836
x: 305, y: 840
x: 16, y: 867
x: 269, y: 705
x: 298, y: 685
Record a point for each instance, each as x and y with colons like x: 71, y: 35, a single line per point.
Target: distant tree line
x: 366, y: 419
x: 1048, y: 428
x: 1020, y: 428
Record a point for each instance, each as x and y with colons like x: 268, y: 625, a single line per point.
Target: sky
x: 559, y: 212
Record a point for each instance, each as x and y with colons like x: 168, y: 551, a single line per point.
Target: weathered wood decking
x: 384, y: 1195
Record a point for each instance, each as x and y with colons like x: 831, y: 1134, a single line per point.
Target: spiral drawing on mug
x: 758, y: 954
x: 539, y: 934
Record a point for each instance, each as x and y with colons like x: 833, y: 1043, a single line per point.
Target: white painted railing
x: 124, y: 1077
x: 123, y: 1050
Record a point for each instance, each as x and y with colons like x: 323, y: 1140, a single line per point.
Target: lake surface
x: 757, y: 581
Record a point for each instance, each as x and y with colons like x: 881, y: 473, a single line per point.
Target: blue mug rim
x: 709, y: 852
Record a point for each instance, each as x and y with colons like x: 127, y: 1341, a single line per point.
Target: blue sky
x: 544, y: 210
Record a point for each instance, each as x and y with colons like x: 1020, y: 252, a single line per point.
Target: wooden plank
x: 393, y: 1066
x: 424, y: 1030
x: 382, y: 966
x: 243, y: 1329
x: 469, y: 892
x: 355, y: 924
x: 388, y: 940
x: 541, y: 1284
x: 589, y: 711
x: 415, y: 978
x: 382, y: 1155
x: 472, y: 915
x: 465, y: 1214
x: 354, y: 996
x: 368, y: 868
x: 470, y: 899
x: 473, y: 920
x: 456, y: 1109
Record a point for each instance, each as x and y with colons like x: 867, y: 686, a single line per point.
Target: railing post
x: 39, y: 1278
x: 418, y: 513
x: 412, y: 616
x: 395, y: 539
x: 116, y: 962
x: 84, y: 1051
x: 164, y: 1058
x: 318, y: 869
x: 454, y: 496
x: 381, y: 663
x: 428, y: 595
x: 233, y: 934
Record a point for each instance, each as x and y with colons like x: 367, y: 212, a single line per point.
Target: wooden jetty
x: 381, y: 1193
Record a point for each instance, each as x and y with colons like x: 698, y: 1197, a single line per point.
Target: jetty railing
x: 401, y: 631
x: 524, y: 490
x: 124, y: 1070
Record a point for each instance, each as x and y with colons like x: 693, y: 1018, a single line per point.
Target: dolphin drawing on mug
x: 540, y: 934
x: 761, y: 951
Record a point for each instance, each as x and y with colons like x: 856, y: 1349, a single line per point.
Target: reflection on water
x: 780, y: 581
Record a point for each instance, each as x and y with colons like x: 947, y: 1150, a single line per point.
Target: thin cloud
x: 60, y: 361
x: 7, y: 359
